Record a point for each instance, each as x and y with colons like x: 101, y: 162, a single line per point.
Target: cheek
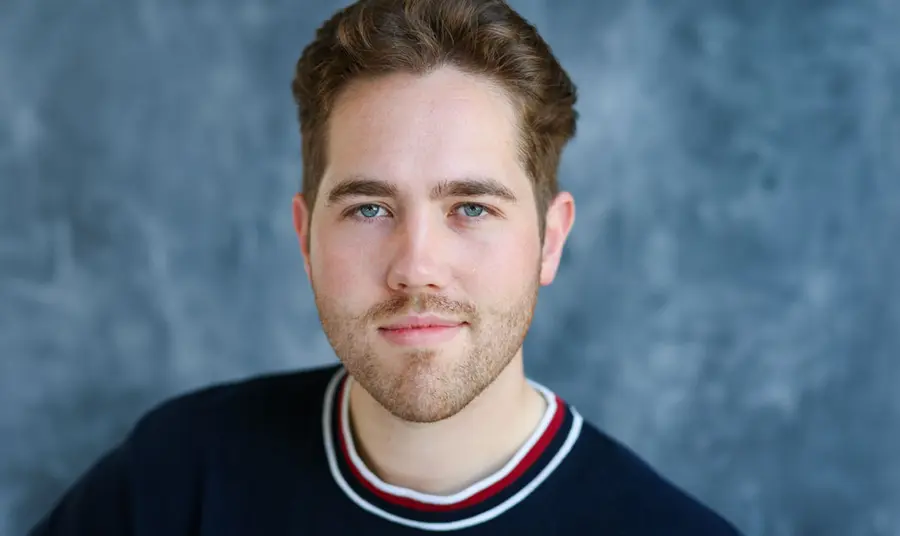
x: 339, y: 263
x: 500, y: 266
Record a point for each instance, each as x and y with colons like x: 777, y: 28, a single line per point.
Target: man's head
x: 432, y: 132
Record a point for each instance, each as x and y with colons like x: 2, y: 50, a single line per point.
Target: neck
x: 446, y: 457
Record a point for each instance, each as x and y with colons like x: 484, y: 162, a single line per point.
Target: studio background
x: 728, y: 300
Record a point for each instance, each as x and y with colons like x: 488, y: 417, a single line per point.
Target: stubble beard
x: 419, y: 385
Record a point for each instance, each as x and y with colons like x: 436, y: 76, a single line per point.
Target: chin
x: 424, y: 408
x: 422, y: 391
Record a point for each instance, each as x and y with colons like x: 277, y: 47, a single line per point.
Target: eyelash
x: 353, y: 212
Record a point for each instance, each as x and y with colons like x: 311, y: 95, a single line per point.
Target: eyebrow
x: 361, y: 186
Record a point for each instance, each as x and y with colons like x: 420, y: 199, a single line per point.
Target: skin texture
x: 425, y: 208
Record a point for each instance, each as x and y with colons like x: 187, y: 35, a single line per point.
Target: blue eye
x: 368, y: 211
x: 472, y: 210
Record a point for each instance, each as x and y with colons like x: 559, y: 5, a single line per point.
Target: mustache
x: 420, y: 304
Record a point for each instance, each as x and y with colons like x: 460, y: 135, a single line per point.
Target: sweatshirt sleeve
x: 150, y: 484
x: 97, y: 504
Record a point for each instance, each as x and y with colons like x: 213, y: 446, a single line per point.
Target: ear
x: 301, y: 226
x: 560, y: 218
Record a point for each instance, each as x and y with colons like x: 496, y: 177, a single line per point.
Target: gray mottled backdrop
x: 728, y: 304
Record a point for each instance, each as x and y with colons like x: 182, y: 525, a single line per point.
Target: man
x: 429, y: 217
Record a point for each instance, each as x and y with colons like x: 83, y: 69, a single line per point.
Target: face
x: 424, y: 253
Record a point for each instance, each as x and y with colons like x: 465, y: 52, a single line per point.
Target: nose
x: 418, y: 262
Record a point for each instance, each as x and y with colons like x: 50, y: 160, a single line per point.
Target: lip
x: 421, y: 330
x: 421, y: 322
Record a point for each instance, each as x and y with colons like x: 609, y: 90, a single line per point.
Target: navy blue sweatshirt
x: 274, y: 456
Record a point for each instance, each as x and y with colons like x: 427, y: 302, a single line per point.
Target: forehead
x: 418, y: 130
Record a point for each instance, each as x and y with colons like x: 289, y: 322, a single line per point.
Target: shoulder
x: 216, y: 412
x: 244, y: 395
x: 155, y: 477
x: 639, y: 497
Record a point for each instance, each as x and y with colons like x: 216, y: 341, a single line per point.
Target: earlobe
x: 560, y: 218
x: 301, y: 227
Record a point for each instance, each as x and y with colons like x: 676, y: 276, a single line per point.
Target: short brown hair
x: 370, y: 38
